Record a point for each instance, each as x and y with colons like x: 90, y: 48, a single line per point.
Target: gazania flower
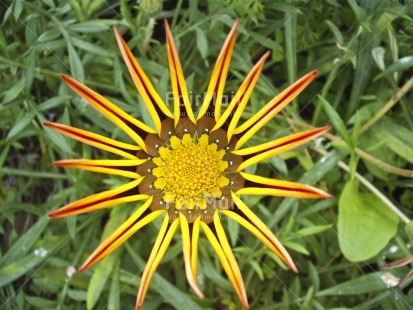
x: 189, y: 169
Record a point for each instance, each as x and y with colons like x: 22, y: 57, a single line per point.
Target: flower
x: 190, y: 167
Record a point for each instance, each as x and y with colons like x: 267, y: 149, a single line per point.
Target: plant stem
x: 393, y: 100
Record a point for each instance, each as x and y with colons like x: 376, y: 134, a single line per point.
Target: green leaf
x: 20, y: 125
x: 378, y: 56
x: 355, y: 134
x: 50, y: 46
x: 296, y: 247
x: 201, y: 42
x: 335, y: 119
x: 23, y: 265
x: 265, y: 41
x: 105, y: 268
x: 336, y: 32
x: 168, y: 291
x: 53, y: 102
x: 233, y: 231
x: 312, y: 230
x: 361, y: 285
x: 13, y: 92
x: 365, y: 224
x: 76, y: 66
x: 399, y: 13
x: 92, y: 48
x: 396, y: 138
x: 257, y: 268
x: 89, y: 27
x: 401, y: 65
x: 49, y: 35
x: 100, y: 277
x: 25, y: 242
x: 40, y: 303
x: 114, y: 300
x: 409, y: 230
x: 31, y: 66
x: 360, y: 14
x: 284, y: 7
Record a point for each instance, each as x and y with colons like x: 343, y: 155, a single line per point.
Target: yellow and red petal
x: 187, y: 250
x: 240, y: 99
x: 194, y: 246
x: 218, y: 78
x: 135, y: 222
x: 120, y: 148
x: 123, y: 120
x: 256, y: 154
x: 156, y: 107
x: 272, y: 108
x: 244, y: 216
x: 162, y: 242
x: 257, y: 185
x: 122, y: 194
x: 179, y: 88
x: 220, y: 243
x: 126, y: 168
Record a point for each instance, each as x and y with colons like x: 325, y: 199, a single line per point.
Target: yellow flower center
x: 190, y: 172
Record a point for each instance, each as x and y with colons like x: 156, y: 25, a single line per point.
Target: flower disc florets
x: 190, y: 169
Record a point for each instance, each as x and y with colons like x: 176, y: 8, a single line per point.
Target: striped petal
x: 156, y: 107
x: 122, y: 194
x: 219, y: 75
x: 162, y: 242
x: 120, y: 148
x: 255, y: 154
x: 123, y: 120
x: 188, y: 254
x: 179, y: 88
x: 256, y: 185
x: 272, y: 108
x: 138, y: 219
x: 220, y: 243
x: 241, y: 97
x: 194, y: 246
x: 125, y: 168
x: 250, y: 221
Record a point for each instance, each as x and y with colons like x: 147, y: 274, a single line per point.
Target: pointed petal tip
x: 84, y: 267
x: 266, y: 55
x: 48, y: 124
x: 51, y: 215
x: 65, y: 77
x: 326, y: 128
x: 328, y: 196
x: 68, y: 79
x: 60, y: 163
x: 236, y: 24
x: 245, y: 304
x: 166, y: 23
x: 313, y: 73
x: 117, y: 33
x: 57, y: 214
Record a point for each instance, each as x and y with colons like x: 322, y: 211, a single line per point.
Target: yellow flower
x: 189, y: 168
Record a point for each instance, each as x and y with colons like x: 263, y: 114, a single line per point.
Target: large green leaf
x: 365, y: 224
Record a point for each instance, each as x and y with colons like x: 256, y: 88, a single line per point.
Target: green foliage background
x: 364, y: 53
